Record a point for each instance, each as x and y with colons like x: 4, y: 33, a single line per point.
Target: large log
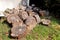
x: 18, y: 31
x: 12, y: 18
x: 30, y: 22
x: 23, y: 14
x: 22, y: 21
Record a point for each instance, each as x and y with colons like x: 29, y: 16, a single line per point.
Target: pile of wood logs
x: 23, y: 20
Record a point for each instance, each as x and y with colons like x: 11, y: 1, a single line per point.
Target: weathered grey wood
x: 9, y: 11
x: 23, y: 15
x: 31, y: 13
x: 37, y: 18
x: 24, y: 2
x: 12, y: 18
x: 19, y: 30
x: 30, y: 22
x: 45, y: 21
x: 15, y: 11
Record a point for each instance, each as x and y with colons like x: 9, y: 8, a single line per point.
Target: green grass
x: 40, y: 32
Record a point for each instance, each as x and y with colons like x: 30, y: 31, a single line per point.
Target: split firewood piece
x: 45, y: 21
x: 30, y: 22
x: 21, y: 7
x: 8, y: 10
x: 29, y: 8
x: 23, y: 14
x: 12, y: 18
x: 31, y: 13
x: 6, y: 14
x: 15, y: 11
x: 44, y: 13
x: 38, y: 20
x: 36, y: 9
x: 16, y: 24
x: 18, y: 31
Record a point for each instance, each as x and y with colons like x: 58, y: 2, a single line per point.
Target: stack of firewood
x: 23, y: 20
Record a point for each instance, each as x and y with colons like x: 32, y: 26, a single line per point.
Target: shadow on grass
x: 5, y: 22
